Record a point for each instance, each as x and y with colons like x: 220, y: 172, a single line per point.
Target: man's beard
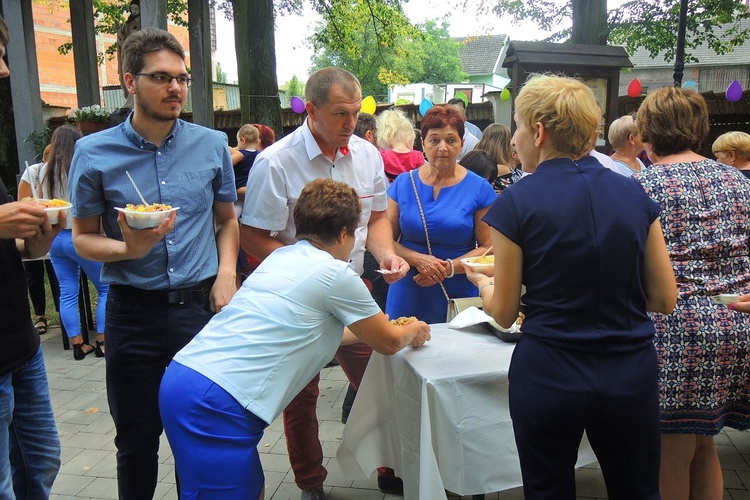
x: 157, y: 115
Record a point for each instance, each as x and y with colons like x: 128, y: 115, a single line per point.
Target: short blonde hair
x: 567, y: 109
x: 672, y: 119
x: 739, y: 142
x: 249, y: 133
x: 394, y: 126
x: 620, y: 130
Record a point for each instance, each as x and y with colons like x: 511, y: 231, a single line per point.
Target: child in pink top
x: 396, y: 140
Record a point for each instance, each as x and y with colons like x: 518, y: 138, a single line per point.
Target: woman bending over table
x: 586, y: 361
x: 437, y: 210
x: 703, y: 347
x: 280, y: 329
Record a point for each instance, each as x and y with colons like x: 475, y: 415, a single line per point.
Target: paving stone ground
x: 88, y: 453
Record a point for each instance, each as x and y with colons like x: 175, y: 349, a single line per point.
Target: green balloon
x: 505, y: 95
x: 462, y: 96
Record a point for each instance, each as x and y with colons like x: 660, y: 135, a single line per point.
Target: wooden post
x: 199, y: 26
x: 24, y: 76
x: 84, y: 52
x: 154, y: 14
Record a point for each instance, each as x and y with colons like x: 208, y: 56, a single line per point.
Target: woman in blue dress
x: 436, y: 214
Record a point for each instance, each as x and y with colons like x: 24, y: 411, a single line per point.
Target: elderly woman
x: 281, y: 328
x: 703, y: 347
x: 586, y: 361
x: 733, y: 148
x: 437, y: 212
x: 624, y: 139
x: 395, y: 137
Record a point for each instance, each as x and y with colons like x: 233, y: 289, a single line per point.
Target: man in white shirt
x: 470, y: 140
x: 323, y: 147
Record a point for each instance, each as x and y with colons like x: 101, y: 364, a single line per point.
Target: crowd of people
x: 352, y: 219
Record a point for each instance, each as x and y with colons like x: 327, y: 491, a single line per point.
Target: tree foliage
x: 294, y: 87
x: 110, y: 16
x: 221, y: 75
x: 421, y: 53
x: 646, y: 23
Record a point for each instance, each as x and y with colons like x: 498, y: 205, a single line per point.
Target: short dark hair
x: 672, y: 119
x: 481, y: 163
x: 365, y: 122
x: 324, y: 208
x: 4, y: 35
x: 318, y: 85
x: 439, y: 117
x: 146, y: 41
x: 457, y: 100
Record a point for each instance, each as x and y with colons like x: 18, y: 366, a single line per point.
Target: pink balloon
x: 634, y: 88
x: 734, y: 91
x: 297, y: 104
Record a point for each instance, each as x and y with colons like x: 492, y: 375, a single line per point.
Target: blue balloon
x: 424, y: 106
x: 690, y: 84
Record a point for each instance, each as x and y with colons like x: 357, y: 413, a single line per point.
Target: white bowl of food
x: 53, y: 207
x: 146, y: 216
x: 479, y: 264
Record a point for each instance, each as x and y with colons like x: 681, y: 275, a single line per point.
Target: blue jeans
x: 68, y: 265
x: 28, y: 436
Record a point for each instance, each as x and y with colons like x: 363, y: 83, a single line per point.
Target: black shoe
x: 389, y: 483
x: 79, y: 353
x: 98, y: 352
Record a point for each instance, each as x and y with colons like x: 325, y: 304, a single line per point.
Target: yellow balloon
x: 368, y: 105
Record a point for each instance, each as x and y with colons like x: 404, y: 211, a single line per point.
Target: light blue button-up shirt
x: 191, y: 169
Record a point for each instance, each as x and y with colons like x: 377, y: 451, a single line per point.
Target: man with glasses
x: 165, y: 282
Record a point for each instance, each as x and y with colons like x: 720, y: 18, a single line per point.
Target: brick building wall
x: 57, y: 71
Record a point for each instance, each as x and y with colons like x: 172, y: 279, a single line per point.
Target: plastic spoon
x: 143, y: 200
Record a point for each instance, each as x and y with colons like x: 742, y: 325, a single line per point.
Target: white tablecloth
x: 439, y: 416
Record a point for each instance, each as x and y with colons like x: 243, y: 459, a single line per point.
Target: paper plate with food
x: 478, y: 264
x: 146, y: 216
x: 53, y: 207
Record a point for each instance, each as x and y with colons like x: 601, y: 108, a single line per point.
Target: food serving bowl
x: 479, y: 264
x: 139, y: 219
x: 52, y: 208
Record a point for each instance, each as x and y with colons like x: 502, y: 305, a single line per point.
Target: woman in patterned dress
x: 702, y: 346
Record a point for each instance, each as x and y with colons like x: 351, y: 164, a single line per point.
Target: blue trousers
x: 142, y: 338
x: 556, y: 393
x: 29, y: 444
x: 214, y: 439
x: 68, y: 265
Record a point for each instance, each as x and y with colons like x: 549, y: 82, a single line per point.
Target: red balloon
x: 634, y: 88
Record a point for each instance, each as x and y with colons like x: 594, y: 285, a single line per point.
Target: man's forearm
x: 100, y: 248
x: 258, y: 242
x: 380, y: 239
x: 227, y: 244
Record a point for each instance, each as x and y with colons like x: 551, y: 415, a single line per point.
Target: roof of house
x: 480, y: 54
x: 704, y: 54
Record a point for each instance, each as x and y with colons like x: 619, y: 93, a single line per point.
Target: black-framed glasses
x: 165, y: 79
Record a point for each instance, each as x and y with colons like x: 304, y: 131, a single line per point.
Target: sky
x: 293, y: 53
